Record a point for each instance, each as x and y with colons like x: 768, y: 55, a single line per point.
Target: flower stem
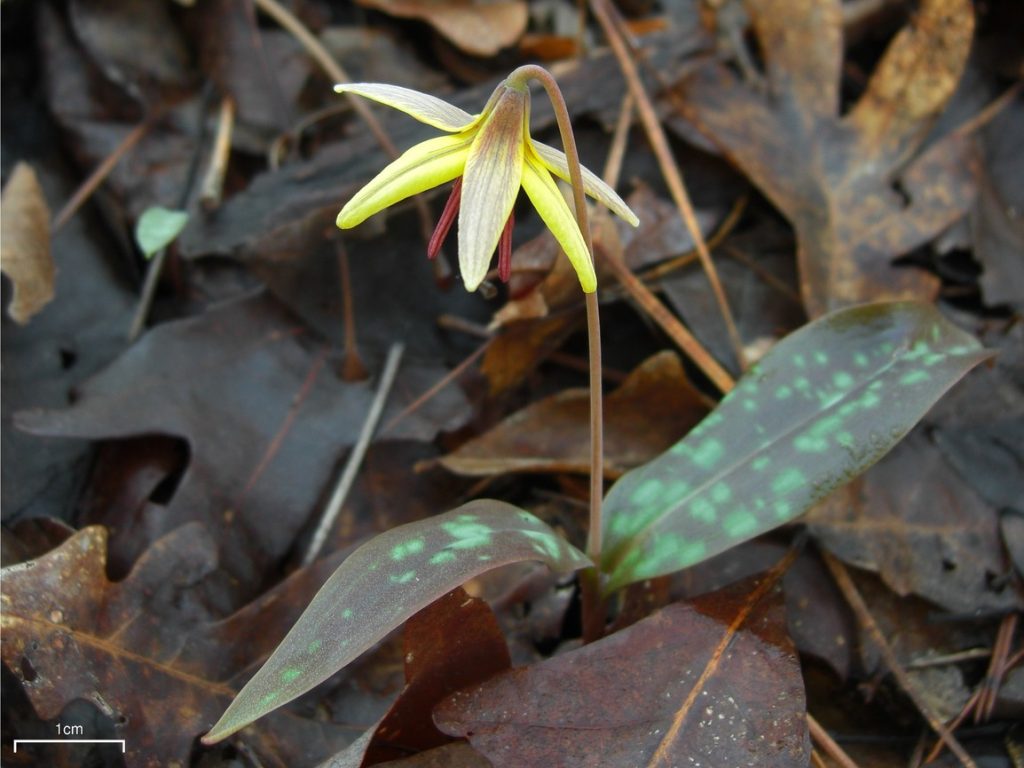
x: 593, y: 605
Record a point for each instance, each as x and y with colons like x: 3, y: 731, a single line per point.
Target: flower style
x: 492, y: 155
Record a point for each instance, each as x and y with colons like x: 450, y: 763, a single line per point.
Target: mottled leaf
x: 157, y: 228
x: 821, y: 407
x: 382, y: 584
x: 712, y: 683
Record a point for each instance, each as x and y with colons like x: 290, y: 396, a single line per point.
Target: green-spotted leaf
x: 822, y: 406
x: 382, y: 584
x: 157, y: 227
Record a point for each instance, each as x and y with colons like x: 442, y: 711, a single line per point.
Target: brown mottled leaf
x: 715, y: 682
x: 266, y: 421
x: 25, y: 246
x: 646, y: 414
x: 839, y: 179
x: 479, y: 28
x: 936, y: 539
x: 143, y: 651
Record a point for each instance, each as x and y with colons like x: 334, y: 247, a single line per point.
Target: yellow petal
x: 553, y: 209
x: 424, y: 107
x: 422, y: 167
x: 490, y: 184
x: 556, y: 162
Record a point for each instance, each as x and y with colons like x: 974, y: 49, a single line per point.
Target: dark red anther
x: 505, y: 250
x: 444, y: 224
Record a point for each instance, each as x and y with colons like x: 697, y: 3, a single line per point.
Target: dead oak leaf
x: 142, y: 651
x: 856, y: 187
x: 266, y: 420
x: 25, y: 255
x: 932, y: 537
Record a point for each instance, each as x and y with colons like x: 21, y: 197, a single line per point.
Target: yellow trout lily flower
x: 492, y: 155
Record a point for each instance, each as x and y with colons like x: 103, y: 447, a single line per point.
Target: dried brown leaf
x: 265, y: 418
x: 479, y: 28
x: 715, y: 682
x: 937, y: 539
x: 143, y: 651
x: 644, y: 416
x: 25, y: 255
x: 839, y: 179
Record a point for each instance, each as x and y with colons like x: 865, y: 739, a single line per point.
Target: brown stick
x: 867, y: 621
x: 670, y: 324
x: 97, y: 176
x: 352, y: 367
x: 336, y: 72
x: 213, y: 182
x: 670, y: 170
x: 822, y: 738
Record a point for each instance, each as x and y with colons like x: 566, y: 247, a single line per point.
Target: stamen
x: 444, y: 224
x: 505, y: 250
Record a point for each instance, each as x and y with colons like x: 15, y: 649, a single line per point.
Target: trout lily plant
x: 822, y: 406
x: 492, y: 155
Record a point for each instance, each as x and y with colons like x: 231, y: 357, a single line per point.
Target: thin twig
x: 722, y: 231
x: 149, y: 284
x: 213, y: 182
x: 678, y: 332
x: 972, y: 654
x: 635, y: 288
x: 822, y: 738
x: 445, y: 380
x: 953, y: 724
x: 355, y: 458
x: 867, y: 621
x: 352, y: 367
x: 996, y: 668
x: 102, y: 171
x: 670, y: 170
x: 156, y: 265
x: 990, y: 111
x: 617, y: 152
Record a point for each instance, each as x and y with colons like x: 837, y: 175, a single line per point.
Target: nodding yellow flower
x: 491, y: 155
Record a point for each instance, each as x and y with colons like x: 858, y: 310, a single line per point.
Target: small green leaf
x: 382, y: 584
x: 822, y: 406
x: 157, y: 228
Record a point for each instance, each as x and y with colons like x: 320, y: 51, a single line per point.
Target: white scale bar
x: 70, y: 741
